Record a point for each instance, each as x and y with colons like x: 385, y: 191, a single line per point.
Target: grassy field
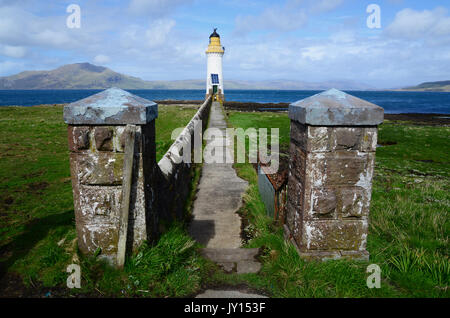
x: 408, y: 233
x: 409, y: 228
x: 37, y: 227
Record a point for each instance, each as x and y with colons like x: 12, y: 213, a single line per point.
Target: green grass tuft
x: 409, y: 221
x: 37, y: 226
x: 171, y: 268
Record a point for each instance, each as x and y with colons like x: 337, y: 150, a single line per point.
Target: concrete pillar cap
x: 335, y: 108
x: 113, y: 106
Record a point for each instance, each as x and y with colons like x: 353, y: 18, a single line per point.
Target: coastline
x: 419, y: 90
x: 433, y: 119
x: 393, y: 102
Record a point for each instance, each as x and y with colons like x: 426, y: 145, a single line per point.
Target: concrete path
x: 238, y: 260
x: 216, y: 223
x: 212, y: 293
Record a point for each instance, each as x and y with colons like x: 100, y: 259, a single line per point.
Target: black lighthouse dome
x: 214, y: 34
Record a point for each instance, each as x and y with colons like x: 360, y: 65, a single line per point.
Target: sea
x: 393, y: 102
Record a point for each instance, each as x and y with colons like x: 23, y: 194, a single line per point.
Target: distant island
x: 441, y: 86
x: 89, y: 76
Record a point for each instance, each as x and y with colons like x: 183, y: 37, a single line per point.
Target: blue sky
x: 306, y: 40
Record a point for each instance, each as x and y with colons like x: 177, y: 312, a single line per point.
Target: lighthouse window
x: 215, y: 78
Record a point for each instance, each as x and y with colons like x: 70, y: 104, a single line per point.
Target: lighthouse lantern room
x: 214, y: 78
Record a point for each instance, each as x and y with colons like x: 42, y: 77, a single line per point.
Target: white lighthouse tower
x: 214, y: 78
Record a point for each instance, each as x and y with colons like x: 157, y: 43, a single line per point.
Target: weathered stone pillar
x: 332, y: 157
x: 96, y: 142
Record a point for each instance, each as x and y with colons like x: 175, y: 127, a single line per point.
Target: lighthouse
x: 214, y: 78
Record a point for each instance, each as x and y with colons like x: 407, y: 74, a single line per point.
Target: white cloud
x: 52, y: 37
x: 158, y: 31
x: 314, y: 53
x: 411, y: 24
x: 101, y: 59
x: 13, y: 51
x: 344, y: 36
x: 288, y: 17
x: 378, y: 61
x: 19, y: 27
x: 291, y: 16
x: 135, y: 37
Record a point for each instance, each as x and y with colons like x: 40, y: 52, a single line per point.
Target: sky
x: 304, y: 40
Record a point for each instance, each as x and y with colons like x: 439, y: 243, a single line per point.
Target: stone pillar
x: 332, y: 157
x: 96, y: 143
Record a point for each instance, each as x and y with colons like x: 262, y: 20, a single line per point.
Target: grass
x: 171, y: 268
x: 170, y: 118
x: 409, y: 228
x: 37, y: 226
x: 408, y: 235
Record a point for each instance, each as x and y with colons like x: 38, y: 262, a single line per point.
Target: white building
x: 214, y: 77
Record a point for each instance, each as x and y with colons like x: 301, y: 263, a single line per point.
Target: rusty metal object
x: 273, y: 191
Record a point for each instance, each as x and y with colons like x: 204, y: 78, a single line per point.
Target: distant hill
x: 442, y: 86
x: 71, y: 76
x: 88, y: 76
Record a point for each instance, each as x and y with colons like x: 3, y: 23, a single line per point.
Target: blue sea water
x: 392, y: 102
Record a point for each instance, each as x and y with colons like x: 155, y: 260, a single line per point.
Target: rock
x: 103, y: 138
x: 78, y: 137
x: 246, y: 267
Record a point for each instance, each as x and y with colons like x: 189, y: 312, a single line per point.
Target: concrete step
x: 239, y: 260
x: 213, y: 293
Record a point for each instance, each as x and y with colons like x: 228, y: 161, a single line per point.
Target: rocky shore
x: 422, y: 119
